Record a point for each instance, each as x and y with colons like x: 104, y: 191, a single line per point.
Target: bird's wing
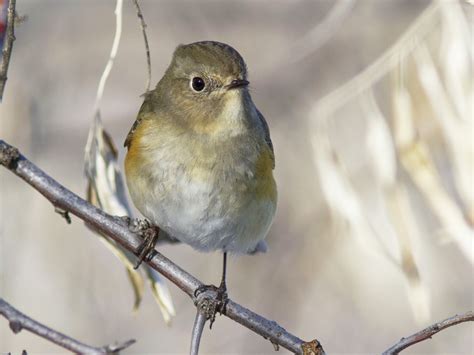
x: 268, y: 139
x: 130, y: 133
x: 144, y: 109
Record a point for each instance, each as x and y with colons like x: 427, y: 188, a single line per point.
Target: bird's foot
x: 210, y: 300
x: 137, y: 225
x: 149, y: 233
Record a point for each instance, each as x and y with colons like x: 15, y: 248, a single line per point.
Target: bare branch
x: 117, y: 229
x: 427, y: 333
x: 8, y: 46
x: 19, y: 321
x: 198, y: 327
x: 147, y: 47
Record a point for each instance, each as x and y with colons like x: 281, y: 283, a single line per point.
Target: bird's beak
x: 237, y: 83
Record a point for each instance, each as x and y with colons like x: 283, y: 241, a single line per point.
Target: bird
x: 200, y: 160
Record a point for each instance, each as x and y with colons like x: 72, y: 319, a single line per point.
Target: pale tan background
x: 315, y: 283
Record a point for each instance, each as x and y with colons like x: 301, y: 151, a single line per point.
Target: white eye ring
x: 197, y: 84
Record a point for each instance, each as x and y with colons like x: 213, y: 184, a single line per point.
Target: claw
x: 146, y: 250
x: 211, y: 305
x: 137, y: 225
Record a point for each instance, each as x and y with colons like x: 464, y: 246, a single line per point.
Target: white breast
x: 212, y: 210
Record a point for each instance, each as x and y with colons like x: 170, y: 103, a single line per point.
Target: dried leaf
x: 457, y: 130
x: 402, y: 216
x: 417, y: 160
x: 446, y: 82
x: 419, y: 165
x: 106, y: 190
x: 161, y: 294
x: 135, y: 277
x: 341, y: 196
x: 380, y: 148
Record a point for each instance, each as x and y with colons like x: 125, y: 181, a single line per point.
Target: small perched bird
x: 200, y: 159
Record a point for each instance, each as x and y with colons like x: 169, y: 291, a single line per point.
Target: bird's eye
x: 198, y: 84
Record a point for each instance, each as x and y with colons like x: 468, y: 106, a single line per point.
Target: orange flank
x: 266, y: 186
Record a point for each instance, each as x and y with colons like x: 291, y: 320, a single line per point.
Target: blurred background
x: 370, y: 106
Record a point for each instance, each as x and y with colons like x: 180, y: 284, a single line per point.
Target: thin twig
x: 8, y: 46
x: 19, y: 321
x: 103, y: 79
x: 117, y: 229
x: 147, y: 47
x: 427, y: 333
x: 198, y: 327
x: 113, y: 53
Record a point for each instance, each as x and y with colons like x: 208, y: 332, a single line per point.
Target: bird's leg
x: 222, y: 289
x: 211, y: 307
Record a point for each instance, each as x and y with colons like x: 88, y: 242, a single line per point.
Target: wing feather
x: 268, y: 139
x: 146, y: 107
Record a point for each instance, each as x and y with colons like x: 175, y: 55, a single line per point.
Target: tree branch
x: 8, y: 46
x: 198, y: 327
x: 117, y: 229
x: 19, y: 321
x: 427, y: 333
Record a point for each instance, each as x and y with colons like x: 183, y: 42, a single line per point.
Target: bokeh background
x: 370, y: 105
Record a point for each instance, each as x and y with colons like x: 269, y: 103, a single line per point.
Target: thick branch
x: 19, y: 321
x: 116, y: 229
x: 7, y: 46
x: 427, y: 333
